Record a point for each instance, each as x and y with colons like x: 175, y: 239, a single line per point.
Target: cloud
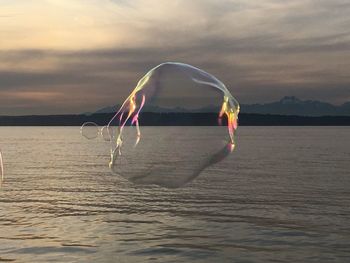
x: 98, y: 50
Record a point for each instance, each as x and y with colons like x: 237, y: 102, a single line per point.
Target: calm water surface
x: 282, y: 196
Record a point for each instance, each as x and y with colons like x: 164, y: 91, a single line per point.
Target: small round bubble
x: 89, y: 130
x: 108, y: 133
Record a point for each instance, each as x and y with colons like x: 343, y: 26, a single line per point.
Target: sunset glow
x: 86, y: 54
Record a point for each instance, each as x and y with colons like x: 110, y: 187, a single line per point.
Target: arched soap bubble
x: 1, y: 169
x: 171, y: 156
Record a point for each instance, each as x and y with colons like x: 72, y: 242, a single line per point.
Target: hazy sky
x: 71, y: 56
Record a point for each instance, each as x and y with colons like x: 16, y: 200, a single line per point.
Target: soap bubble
x: 1, y: 169
x: 89, y: 130
x: 171, y: 156
x: 108, y: 133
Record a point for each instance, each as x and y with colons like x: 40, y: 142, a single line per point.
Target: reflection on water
x: 283, y: 195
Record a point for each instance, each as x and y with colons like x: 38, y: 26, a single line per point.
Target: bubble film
x: 90, y: 130
x: 139, y: 156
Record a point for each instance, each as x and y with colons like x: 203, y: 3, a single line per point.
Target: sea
x: 282, y: 195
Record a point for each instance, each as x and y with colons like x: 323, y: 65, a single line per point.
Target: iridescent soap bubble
x: 174, y: 155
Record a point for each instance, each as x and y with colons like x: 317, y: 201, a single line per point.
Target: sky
x: 73, y: 56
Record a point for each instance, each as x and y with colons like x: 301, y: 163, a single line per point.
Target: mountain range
x: 291, y: 105
x: 288, y: 105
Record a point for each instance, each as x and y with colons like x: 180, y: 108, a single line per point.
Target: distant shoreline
x: 176, y: 119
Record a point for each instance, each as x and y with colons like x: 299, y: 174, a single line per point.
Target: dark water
x: 282, y: 196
